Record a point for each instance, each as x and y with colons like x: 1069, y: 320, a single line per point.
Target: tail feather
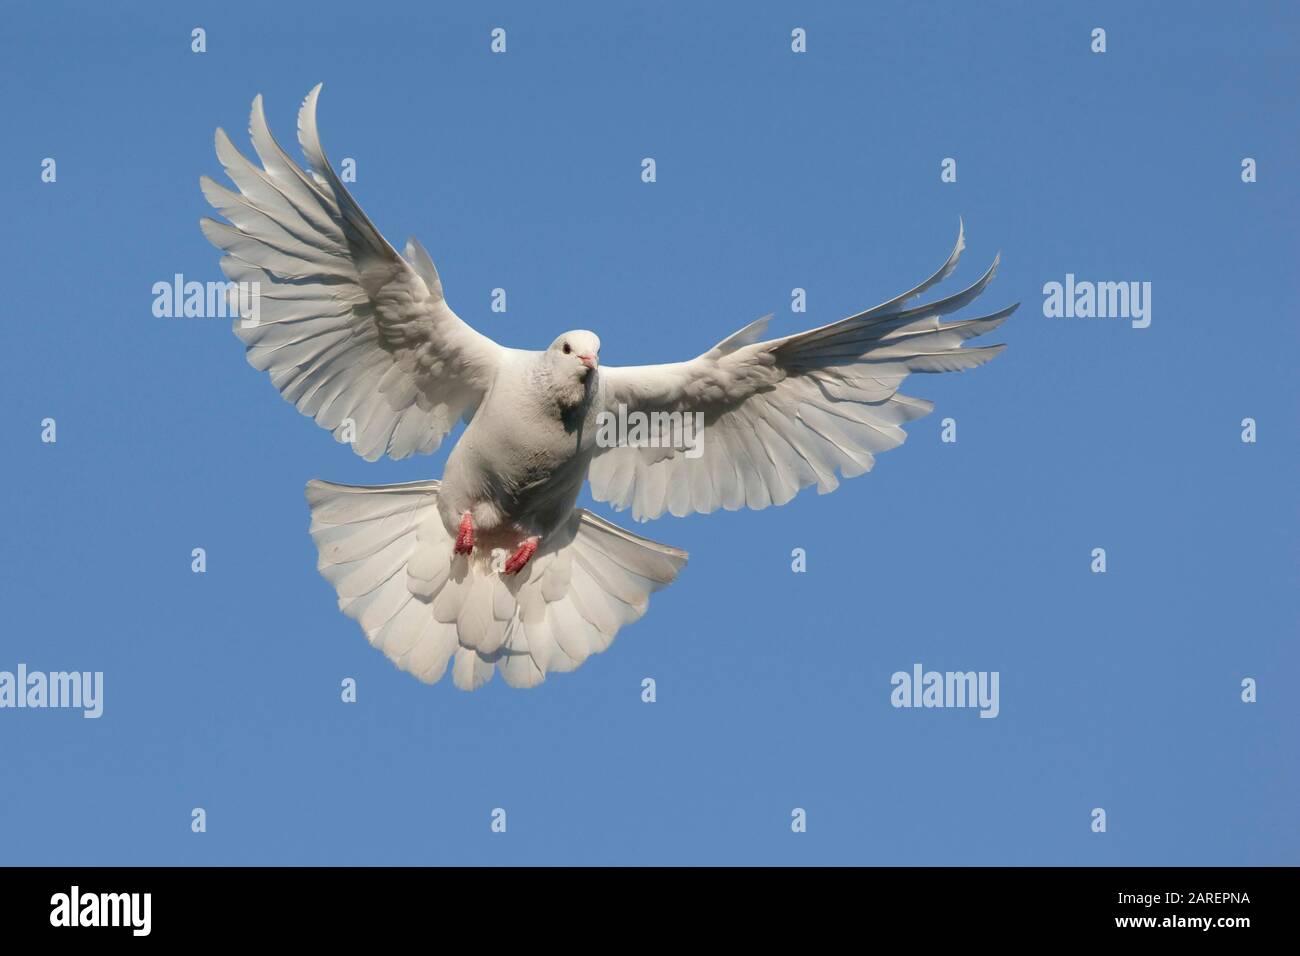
x: 390, y: 558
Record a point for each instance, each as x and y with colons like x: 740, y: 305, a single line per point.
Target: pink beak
x: 588, y: 360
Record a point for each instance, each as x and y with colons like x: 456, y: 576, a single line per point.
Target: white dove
x: 361, y: 339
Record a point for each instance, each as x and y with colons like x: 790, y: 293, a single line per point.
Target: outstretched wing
x: 786, y: 413
x: 351, y: 333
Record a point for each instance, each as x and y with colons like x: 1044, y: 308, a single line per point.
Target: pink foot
x: 523, y: 554
x: 465, y: 535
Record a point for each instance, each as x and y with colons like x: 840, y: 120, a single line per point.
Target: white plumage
x: 494, y: 566
x: 387, y: 552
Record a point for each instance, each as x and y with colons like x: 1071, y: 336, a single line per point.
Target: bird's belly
x: 505, y: 482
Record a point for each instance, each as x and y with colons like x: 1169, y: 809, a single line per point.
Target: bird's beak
x: 588, y: 360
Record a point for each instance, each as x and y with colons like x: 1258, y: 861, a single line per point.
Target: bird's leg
x: 465, y: 535
x: 523, y: 554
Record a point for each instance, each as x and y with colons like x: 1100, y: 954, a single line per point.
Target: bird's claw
x: 523, y: 554
x: 465, y: 535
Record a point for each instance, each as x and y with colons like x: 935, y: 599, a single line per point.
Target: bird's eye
x: 567, y: 350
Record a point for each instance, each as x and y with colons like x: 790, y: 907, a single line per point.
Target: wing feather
x: 355, y: 336
x: 787, y: 413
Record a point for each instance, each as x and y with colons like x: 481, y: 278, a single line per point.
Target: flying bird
x: 494, y: 566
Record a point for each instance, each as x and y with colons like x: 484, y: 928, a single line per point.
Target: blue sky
x: 775, y: 170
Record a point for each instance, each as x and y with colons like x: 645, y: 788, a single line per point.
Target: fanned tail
x: 390, y: 558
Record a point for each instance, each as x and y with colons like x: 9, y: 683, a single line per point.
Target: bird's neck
x: 568, y: 395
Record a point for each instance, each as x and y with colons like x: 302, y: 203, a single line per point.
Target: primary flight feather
x: 494, y: 566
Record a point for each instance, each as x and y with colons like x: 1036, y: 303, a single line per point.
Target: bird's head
x: 568, y: 368
x: 575, y: 355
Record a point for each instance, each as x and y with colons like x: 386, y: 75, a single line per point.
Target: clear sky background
x: 775, y: 170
